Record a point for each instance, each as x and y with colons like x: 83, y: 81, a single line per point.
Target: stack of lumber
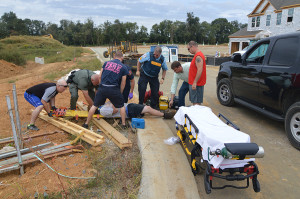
x: 88, y: 136
x: 119, y: 139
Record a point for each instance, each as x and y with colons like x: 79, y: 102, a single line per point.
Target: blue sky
x: 144, y: 12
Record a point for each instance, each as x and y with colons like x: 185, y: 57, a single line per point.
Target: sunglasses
x: 64, y: 86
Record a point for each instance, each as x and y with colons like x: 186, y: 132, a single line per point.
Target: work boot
x: 32, y: 127
x: 169, y: 114
x: 85, y: 126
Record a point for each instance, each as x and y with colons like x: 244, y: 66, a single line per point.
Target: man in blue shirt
x: 112, y: 83
x: 148, y: 68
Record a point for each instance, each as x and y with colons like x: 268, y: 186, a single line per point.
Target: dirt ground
x: 38, y: 179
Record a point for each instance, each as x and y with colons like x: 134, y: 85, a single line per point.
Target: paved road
x: 279, y: 170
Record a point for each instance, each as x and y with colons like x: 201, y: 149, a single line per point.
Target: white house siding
x: 284, y: 27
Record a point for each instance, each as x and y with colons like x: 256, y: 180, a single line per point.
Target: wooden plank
x: 74, y: 129
x: 119, y: 139
x: 81, y: 128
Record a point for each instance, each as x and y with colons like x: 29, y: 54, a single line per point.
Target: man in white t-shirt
x: 180, y: 72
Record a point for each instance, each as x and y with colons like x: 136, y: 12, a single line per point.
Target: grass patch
x: 12, y: 56
x: 118, y: 175
x: 19, y: 49
x: 54, y: 75
x: 12, y: 81
x: 91, y: 64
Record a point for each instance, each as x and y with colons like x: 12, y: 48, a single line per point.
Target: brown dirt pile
x: 9, y: 69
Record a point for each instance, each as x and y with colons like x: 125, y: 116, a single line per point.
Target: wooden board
x: 119, y: 139
x: 88, y: 136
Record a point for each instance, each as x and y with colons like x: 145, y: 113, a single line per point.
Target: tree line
x: 87, y: 33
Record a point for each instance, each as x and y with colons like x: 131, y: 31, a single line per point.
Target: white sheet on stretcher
x: 213, y: 133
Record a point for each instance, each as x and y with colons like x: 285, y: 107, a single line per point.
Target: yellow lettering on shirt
x: 155, y: 63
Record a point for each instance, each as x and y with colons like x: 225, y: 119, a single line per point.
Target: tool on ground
x: 163, y: 102
x: 148, y: 95
x: 64, y: 112
x: 138, y: 123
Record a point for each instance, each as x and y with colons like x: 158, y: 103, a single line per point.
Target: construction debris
x: 34, y: 148
x: 88, y: 136
x: 11, y: 139
x: 119, y: 139
x: 44, y: 153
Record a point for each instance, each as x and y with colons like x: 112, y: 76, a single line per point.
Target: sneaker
x: 32, y: 127
x: 169, y: 115
x: 85, y: 126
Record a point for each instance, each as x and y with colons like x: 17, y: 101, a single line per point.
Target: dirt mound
x: 9, y: 69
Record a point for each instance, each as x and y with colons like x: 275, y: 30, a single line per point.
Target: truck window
x: 284, y: 52
x: 258, y: 54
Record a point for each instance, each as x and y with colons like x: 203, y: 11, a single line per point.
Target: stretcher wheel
x: 206, y: 183
x: 198, y: 169
x: 183, y: 135
x: 256, y: 185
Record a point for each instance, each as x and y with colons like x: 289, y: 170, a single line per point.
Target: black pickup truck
x: 266, y: 79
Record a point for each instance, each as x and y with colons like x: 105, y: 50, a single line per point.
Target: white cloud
x: 144, y: 12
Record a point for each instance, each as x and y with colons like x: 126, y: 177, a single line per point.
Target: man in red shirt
x: 197, y: 74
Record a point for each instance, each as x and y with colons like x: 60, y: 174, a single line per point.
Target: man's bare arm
x: 199, y: 65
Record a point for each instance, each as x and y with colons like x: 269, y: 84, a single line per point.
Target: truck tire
x: 292, y: 125
x: 224, y: 92
x: 105, y: 54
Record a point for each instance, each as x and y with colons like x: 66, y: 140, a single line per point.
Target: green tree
x: 193, y: 27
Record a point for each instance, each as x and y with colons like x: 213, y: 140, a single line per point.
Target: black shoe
x: 32, y: 127
x: 85, y: 126
x: 169, y: 114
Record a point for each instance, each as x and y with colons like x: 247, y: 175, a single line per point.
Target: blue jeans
x: 184, y: 89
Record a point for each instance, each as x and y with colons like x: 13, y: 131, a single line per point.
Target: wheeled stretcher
x: 218, y: 149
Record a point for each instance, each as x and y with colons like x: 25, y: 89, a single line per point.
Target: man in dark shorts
x: 40, y: 95
x: 85, y: 80
x: 133, y: 111
x: 113, y: 79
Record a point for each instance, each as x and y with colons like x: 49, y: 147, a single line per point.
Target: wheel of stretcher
x: 256, y: 185
x: 206, y: 183
x: 197, y: 171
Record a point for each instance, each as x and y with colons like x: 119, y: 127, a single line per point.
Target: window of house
x: 253, y: 22
x: 268, y: 22
x: 284, y: 52
x: 290, y: 15
x: 257, y: 21
x: 278, y: 21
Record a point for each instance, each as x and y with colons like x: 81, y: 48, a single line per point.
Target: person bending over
x: 42, y: 96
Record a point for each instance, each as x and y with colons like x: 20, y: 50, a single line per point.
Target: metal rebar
x: 14, y: 134
x: 17, y: 116
x: 34, y: 148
